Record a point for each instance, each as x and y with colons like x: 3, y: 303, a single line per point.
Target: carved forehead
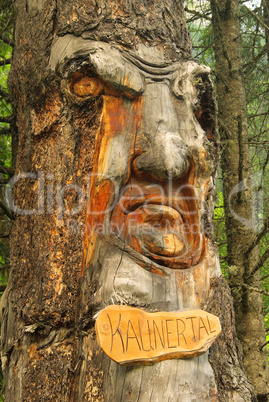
x: 125, y: 69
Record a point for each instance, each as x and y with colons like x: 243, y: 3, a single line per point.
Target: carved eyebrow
x: 107, y: 61
x: 152, y: 70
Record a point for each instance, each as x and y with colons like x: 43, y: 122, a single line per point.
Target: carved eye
x: 88, y: 86
x: 204, y: 108
x: 86, y: 82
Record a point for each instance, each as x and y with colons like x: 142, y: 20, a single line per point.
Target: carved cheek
x: 113, y: 152
x: 107, y: 163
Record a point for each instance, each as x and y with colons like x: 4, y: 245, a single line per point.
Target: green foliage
x: 256, y: 75
x: 5, y: 111
x: 219, y: 228
x: 6, y: 29
x: 257, y: 89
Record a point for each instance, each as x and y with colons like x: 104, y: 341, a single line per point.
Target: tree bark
x: 241, y: 226
x: 49, y: 345
x: 266, y: 20
x: 5, y: 226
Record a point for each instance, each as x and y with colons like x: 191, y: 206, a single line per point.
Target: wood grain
x: 130, y: 335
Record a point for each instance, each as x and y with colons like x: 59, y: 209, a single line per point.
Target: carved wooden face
x: 155, y: 150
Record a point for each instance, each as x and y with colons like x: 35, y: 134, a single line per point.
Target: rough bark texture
x: 238, y: 198
x: 5, y: 227
x: 49, y: 346
x: 226, y: 354
x: 266, y: 20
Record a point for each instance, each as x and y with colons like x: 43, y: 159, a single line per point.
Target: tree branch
x: 197, y: 14
x: 262, y: 279
x: 7, y: 119
x: 258, y: 115
x: 260, y: 264
x: 260, y: 236
x: 5, y: 62
x: 2, y: 288
x: 4, y: 38
x: 254, y: 289
x: 266, y: 343
x: 203, y: 49
x: 6, y: 210
x: 6, y: 170
x: 226, y: 129
x: 257, y: 18
x: 5, y: 131
x: 247, y: 67
x: 3, y: 93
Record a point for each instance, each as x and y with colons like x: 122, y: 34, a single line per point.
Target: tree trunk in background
x: 5, y: 226
x: 49, y: 347
x: 266, y: 20
x: 238, y: 194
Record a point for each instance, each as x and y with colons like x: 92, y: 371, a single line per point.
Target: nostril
x: 166, y: 157
x: 176, y: 166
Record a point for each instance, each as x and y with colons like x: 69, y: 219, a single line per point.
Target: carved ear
x: 186, y: 73
x: 178, y: 87
x: 193, y: 85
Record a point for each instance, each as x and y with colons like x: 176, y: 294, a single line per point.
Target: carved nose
x: 161, y: 151
x: 167, y: 157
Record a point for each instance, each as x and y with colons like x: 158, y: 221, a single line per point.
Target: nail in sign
x: 130, y: 335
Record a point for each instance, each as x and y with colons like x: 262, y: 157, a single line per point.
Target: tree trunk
x: 115, y: 169
x: 241, y: 226
x: 266, y: 20
x: 5, y: 226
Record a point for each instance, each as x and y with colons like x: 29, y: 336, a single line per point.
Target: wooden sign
x: 130, y: 335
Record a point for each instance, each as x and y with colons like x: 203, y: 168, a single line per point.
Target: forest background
x: 254, y: 26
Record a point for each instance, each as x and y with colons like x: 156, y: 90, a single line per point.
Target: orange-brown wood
x: 130, y: 335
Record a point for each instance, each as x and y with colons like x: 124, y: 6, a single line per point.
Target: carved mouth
x: 161, y: 213
x: 156, y: 229
x: 139, y: 201
x: 160, y: 227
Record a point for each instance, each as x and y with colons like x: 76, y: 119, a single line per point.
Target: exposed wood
x: 129, y: 335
